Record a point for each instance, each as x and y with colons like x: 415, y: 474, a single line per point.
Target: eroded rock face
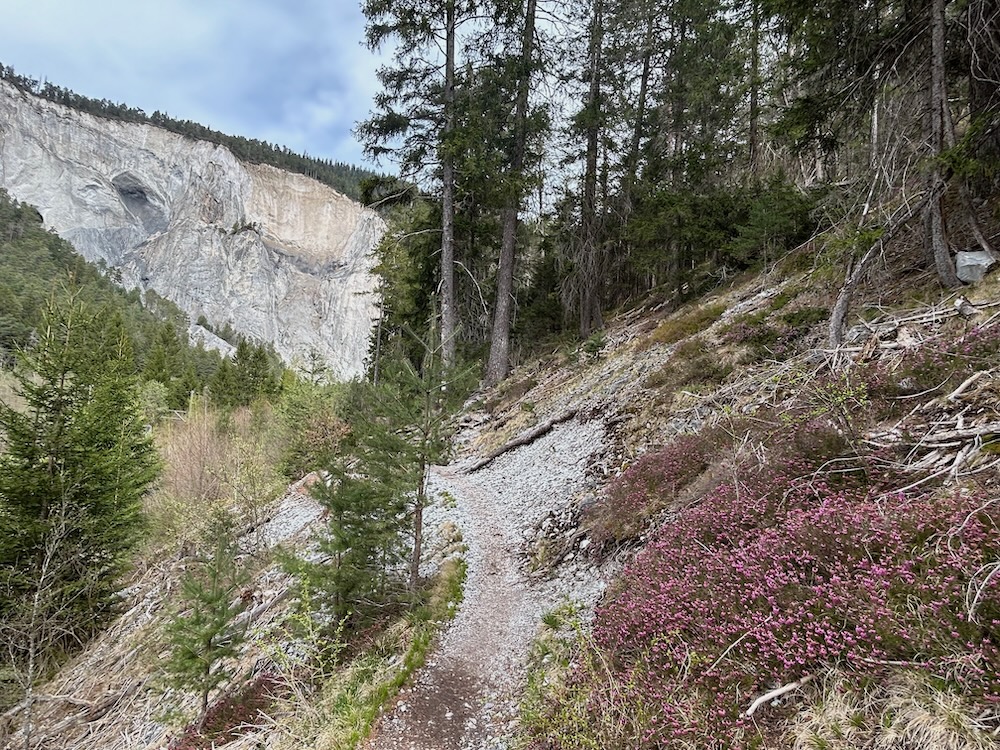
x: 281, y: 257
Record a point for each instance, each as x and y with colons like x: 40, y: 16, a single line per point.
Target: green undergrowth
x: 557, y: 703
x: 688, y: 323
x: 348, y: 701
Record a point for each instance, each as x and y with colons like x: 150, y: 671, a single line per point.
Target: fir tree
x: 77, y: 455
x: 204, y: 632
x: 76, y: 466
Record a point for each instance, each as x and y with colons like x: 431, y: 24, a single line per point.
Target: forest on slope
x: 124, y: 446
x: 576, y: 157
x: 345, y: 178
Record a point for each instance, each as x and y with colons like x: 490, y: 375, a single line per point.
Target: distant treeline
x: 345, y: 178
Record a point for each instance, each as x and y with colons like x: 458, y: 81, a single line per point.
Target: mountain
x: 279, y: 256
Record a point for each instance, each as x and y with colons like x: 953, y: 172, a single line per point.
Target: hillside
x: 796, y: 548
x: 277, y: 256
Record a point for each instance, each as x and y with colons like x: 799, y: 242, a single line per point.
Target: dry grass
x: 688, y: 323
x: 10, y: 397
x: 8, y: 391
x: 212, y: 462
x: 350, y: 699
x: 906, y: 713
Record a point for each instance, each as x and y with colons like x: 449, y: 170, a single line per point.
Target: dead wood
x: 524, y: 438
x: 965, y: 433
x: 777, y: 693
x: 904, y: 216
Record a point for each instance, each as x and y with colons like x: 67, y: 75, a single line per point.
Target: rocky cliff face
x: 280, y: 256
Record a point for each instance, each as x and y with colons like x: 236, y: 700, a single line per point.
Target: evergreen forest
x: 577, y: 157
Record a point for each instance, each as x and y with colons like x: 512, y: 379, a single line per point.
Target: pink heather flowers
x: 647, y: 487
x: 758, y: 587
x: 786, y: 570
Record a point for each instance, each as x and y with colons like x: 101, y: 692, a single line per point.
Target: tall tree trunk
x: 498, y: 364
x: 418, y: 524
x: 934, y: 227
x: 983, y: 29
x: 449, y: 317
x: 632, y: 160
x: 753, y: 137
x: 590, y: 262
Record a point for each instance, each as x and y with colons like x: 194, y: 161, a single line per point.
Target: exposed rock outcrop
x: 280, y: 256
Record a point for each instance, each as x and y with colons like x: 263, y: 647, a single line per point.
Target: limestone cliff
x: 281, y: 257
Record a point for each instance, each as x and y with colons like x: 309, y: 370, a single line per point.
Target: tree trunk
x: 640, y: 116
x: 838, y: 317
x: 449, y: 317
x: 590, y: 275
x: 418, y: 526
x: 983, y: 29
x: 753, y: 137
x: 936, y: 238
x: 498, y: 364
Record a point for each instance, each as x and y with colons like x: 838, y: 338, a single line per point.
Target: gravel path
x: 465, y: 698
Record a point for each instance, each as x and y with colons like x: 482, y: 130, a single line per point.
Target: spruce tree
x: 77, y: 455
x: 76, y: 466
x: 204, y: 632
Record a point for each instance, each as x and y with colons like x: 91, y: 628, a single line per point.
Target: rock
x: 281, y: 257
x: 972, y: 265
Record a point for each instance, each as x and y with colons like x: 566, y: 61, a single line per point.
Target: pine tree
x: 77, y: 453
x: 204, y: 632
x: 76, y: 466
x: 376, y: 488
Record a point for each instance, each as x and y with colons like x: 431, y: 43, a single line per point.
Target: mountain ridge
x: 281, y: 257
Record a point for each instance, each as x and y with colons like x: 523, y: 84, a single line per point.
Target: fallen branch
x: 955, y: 394
x: 904, y: 215
x: 777, y: 693
x: 523, y: 439
x: 975, y: 431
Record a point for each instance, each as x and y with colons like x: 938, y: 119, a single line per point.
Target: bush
x: 942, y: 363
x: 769, y: 339
x: 674, y: 329
x: 227, y: 718
x: 780, y: 574
x: 647, y: 487
x: 693, y: 363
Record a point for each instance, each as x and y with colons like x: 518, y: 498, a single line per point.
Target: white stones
x: 972, y: 265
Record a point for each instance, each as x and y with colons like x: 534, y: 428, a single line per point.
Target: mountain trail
x: 466, y: 696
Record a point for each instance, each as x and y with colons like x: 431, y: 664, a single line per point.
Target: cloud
x: 294, y: 73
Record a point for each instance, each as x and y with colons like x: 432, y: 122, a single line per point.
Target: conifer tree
x: 77, y: 455
x: 204, y: 633
x: 76, y: 465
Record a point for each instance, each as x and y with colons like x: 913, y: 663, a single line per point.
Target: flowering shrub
x: 796, y: 565
x: 647, y: 487
x: 767, y: 582
x: 944, y: 362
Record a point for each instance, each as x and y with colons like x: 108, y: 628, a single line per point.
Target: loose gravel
x: 466, y: 696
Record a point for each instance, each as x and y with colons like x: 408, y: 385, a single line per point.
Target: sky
x: 291, y: 72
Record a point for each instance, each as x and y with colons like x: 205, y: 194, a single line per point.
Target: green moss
x: 694, y: 362
x: 695, y: 321
x: 806, y: 316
